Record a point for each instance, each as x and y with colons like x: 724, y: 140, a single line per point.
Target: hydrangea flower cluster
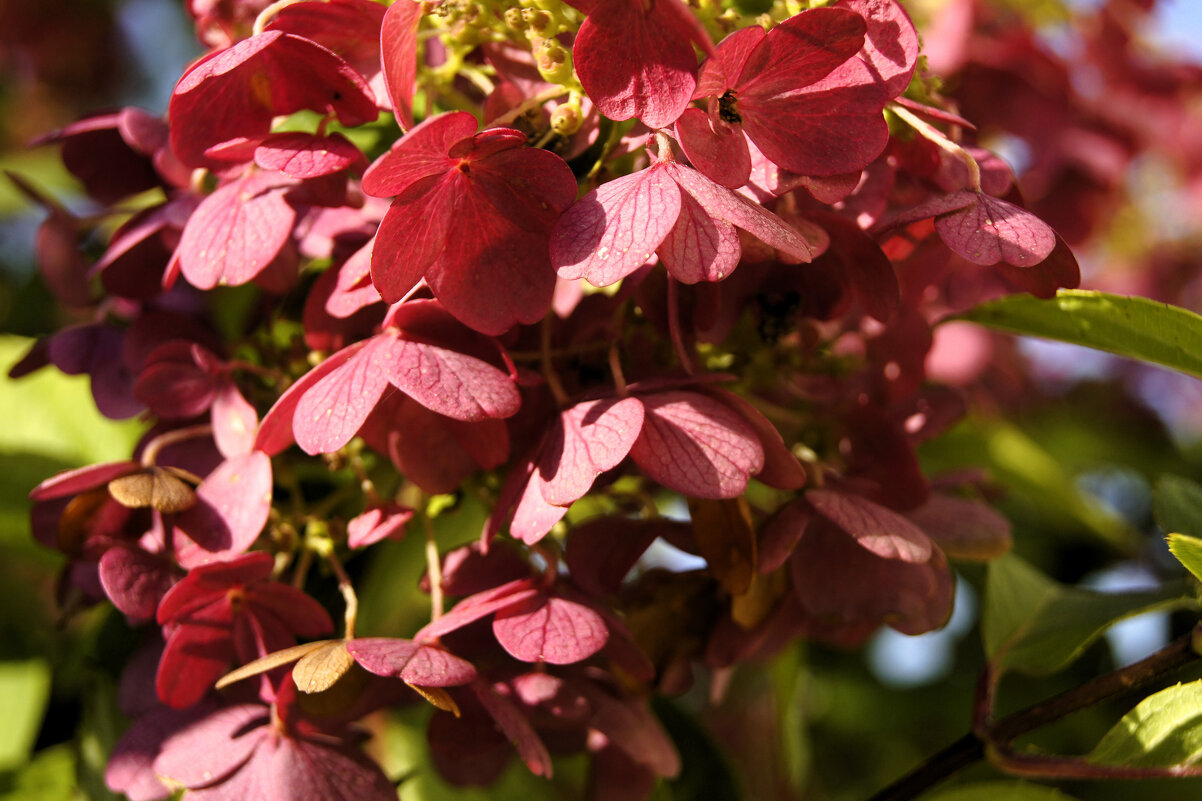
x: 589, y: 262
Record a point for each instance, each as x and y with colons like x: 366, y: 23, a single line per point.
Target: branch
x: 971, y: 747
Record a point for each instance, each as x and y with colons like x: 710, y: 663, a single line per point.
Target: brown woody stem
x: 996, y: 738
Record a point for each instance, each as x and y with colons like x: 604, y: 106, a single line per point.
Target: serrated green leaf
x: 49, y: 777
x: 1178, y: 506
x: 1035, y: 625
x: 1135, y: 327
x: 1164, y: 729
x: 998, y: 791
x: 1188, y: 551
x: 24, y: 689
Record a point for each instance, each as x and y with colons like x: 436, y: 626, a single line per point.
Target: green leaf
x: 1188, y: 551
x: 1033, y: 624
x: 1135, y: 327
x: 999, y: 791
x: 24, y: 689
x: 1178, y: 505
x: 1164, y: 729
x: 52, y: 415
x: 49, y: 777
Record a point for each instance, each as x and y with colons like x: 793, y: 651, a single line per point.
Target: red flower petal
x: 331, y: 412
x: 232, y: 505
x: 699, y: 247
x: 301, y: 155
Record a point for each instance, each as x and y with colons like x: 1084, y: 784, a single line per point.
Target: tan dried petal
x: 321, y: 667
x: 438, y: 697
x: 156, y: 488
x: 273, y: 660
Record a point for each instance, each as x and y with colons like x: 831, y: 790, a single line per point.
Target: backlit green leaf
x: 1188, y: 551
x: 998, y: 791
x: 1178, y: 506
x: 1128, y: 326
x: 24, y: 688
x: 1162, y: 730
x: 1033, y: 624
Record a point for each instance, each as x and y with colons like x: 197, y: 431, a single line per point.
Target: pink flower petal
x: 398, y: 53
x: 880, y: 530
x: 447, y: 381
x: 585, y: 441
x: 697, y: 446
x: 301, y: 155
x: 235, y: 422
x: 275, y: 432
x: 480, y: 605
x: 236, y: 232
x: 699, y: 247
x: 226, y: 739
x: 729, y: 206
x: 716, y: 148
x: 557, y: 631
x: 516, y: 727
x: 992, y: 230
x: 232, y: 506
x: 423, y: 665
x: 613, y: 230
x: 331, y: 412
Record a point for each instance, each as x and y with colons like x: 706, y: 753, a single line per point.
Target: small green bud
x: 566, y: 119
x: 539, y: 21
x: 554, y: 61
x: 514, y: 19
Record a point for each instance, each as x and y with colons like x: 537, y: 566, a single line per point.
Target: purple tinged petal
x: 613, y: 230
x: 729, y: 206
x: 135, y: 580
x: 533, y: 516
x: 296, y: 769
x: 516, y: 727
x: 992, y: 230
x: 877, y: 529
x: 630, y: 726
x: 80, y: 480
x: 557, y: 631
x: 585, y: 441
x: 423, y: 665
x: 964, y: 528
x: 331, y: 412
x: 602, y: 551
x: 209, y: 750
x: 480, y: 605
x: 696, y: 445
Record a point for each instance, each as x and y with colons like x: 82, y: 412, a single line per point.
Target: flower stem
x: 433, y: 570
x: 933, y: 134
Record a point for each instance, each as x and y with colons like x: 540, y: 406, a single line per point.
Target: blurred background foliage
x: 1074, y: 457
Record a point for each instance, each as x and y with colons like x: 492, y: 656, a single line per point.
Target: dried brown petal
x: 155, y: 487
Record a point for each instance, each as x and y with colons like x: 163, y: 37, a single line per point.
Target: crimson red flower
x: 227, y: 612
x: 472, y: 216
x: 635, y: 59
